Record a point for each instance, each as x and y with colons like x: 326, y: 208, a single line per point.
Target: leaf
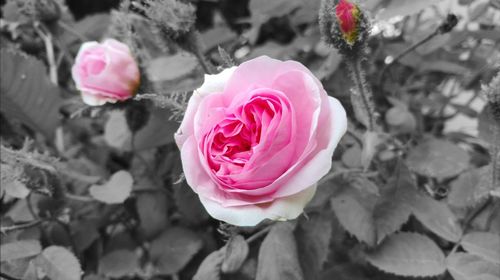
x: 116, y: 190
x: 92, y: 27
x: 391, y: 213
x: 352, y: 157
x: 437, y: 158
x: 217, y: 36
x: 27, y: 94
x: 189, y: 204
x: 269, y: 9
x: 443, y: 66
x: 93, y: 277
x: 152, y: 208
x: 357, y: 105
x: 403, y: 8
x: 463, y: 189
x: 30, y: 273
x: 235, y: 254
x: 19, y: 249
x: 344, y: 271
x: 16, y: 268
x: 400, y: 119
x: 486, y: 124
x: 483, y: 244
x: 59, y: 264
x: 313, y: 241
x: 307, y: 13
x: 436, y: 216
x: 173, y: 249
x: 330, y: 65
x: 158, y: 131
x: 84, y: 233
x: 355, y: 216
x: 408, y: 254
x: 116, y: 131
x: 278, y: 257
x: 463, y: 266
x: 370, y: 142
x: 16, y: 189
x: 210, y: 267
x: 171, y: 67
x: 119, y: 264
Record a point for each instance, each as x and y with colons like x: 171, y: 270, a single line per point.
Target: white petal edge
x: 215, y: 83
x: 87, y: 45
x: 211, y: 84
x: 94, y: 100
x: 285, y: 208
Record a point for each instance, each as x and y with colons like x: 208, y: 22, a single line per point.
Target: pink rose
x: 105, y: 72
x: 256, y: 139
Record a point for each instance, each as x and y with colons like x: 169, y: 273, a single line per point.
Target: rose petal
x: 284, y: 208
x: 95, y: 100
x: 309, y: 172
x: 215, y: 83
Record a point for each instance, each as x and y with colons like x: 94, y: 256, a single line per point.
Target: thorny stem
x: 6, y: 229
x: 469, y: 220
x: 413, y: 47
x: 259, y: 234
x: 495, y: 155
x: 9, y: 155
x: 80, y: 198
x: 445, y: 27
x: 159, y: 98
x: 197, y: 51
x: 49, y: 48
x: 359, y: 80
x: 71, y: 30
x: 332, y: 175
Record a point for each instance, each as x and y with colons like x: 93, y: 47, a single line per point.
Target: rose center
x: 232, y: 141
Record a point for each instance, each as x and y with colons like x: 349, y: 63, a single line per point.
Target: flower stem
x: 8, y: 277
x: 495, y: 155
x: 358, y: 77
x: 196, y: 47
x: 7, y: 229
x: 73, y: 31
x: 446, y: 26
x: 49, y: 48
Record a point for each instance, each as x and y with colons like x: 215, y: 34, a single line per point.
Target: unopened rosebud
x: 348, y: 16
x: 343, y: 25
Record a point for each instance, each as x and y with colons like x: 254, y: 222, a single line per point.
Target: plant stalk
x: 358, y: 77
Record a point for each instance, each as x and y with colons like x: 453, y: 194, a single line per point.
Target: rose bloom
x: 256, y: 139
x: 105, y: 72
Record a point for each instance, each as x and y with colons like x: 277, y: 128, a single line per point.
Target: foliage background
x: 98, y: 193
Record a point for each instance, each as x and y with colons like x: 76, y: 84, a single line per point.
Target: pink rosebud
x: 255, y: 140
x: 105, y: 72
x: 348, y: 16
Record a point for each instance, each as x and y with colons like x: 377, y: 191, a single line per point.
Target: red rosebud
x: 348, y: 16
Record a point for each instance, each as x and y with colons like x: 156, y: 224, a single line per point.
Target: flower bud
x: 105, y: 72
x: 348, y: 18
x: 343, y: 26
